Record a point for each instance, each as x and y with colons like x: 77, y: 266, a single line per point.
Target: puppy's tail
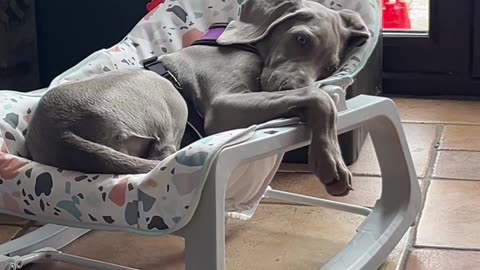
x: 97, y: 158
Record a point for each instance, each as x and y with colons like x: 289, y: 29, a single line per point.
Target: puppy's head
x: 300, y: 41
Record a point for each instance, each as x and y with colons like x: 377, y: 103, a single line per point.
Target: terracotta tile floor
x: 444, y: 140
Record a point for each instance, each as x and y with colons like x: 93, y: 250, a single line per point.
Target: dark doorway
x: 444, y: 60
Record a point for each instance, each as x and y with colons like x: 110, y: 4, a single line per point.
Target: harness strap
x: 195, y: 119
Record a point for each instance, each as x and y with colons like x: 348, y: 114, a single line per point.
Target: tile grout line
x: 448, y: 248
x: 454, y: 179
x: 440, y: 123
x: 458, y: 150
x: 410, y: 245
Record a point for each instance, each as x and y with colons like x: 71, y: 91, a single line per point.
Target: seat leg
x: 205, y: 233
x: 400, y: 201
x: 203, y: 250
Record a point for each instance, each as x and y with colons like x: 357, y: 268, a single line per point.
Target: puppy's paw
x: 327, y: 164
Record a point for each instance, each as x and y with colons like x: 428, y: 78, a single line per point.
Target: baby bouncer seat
x: 190, y: 193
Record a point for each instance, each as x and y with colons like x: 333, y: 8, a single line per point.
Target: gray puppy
x: 125, y: 121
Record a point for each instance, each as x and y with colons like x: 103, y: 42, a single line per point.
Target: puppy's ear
x: 257, y: 18
x: 354, y: 27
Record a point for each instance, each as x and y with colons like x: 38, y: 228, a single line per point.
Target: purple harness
x: 214, y: 32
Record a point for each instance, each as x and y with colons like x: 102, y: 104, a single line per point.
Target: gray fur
x: 122, y: 121
x: 108, y: 124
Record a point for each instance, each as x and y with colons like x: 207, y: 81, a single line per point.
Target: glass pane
x: 406, y: 15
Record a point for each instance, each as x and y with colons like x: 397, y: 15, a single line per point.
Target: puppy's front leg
x: 314, y: 106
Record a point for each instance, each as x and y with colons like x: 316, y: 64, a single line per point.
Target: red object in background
x: 153, y: 4
x: 395, y: 15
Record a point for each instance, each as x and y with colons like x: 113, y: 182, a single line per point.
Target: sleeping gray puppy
x: 125, y: 121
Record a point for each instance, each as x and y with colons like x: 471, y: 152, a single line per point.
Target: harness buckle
x: 155, y: 65
x: 149, y: 61
x: 169, y: 76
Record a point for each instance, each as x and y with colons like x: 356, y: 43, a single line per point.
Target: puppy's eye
x: 301, y: 40
x: 332, y: 68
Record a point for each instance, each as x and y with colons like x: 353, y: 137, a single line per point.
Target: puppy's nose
x: 300, y: 81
